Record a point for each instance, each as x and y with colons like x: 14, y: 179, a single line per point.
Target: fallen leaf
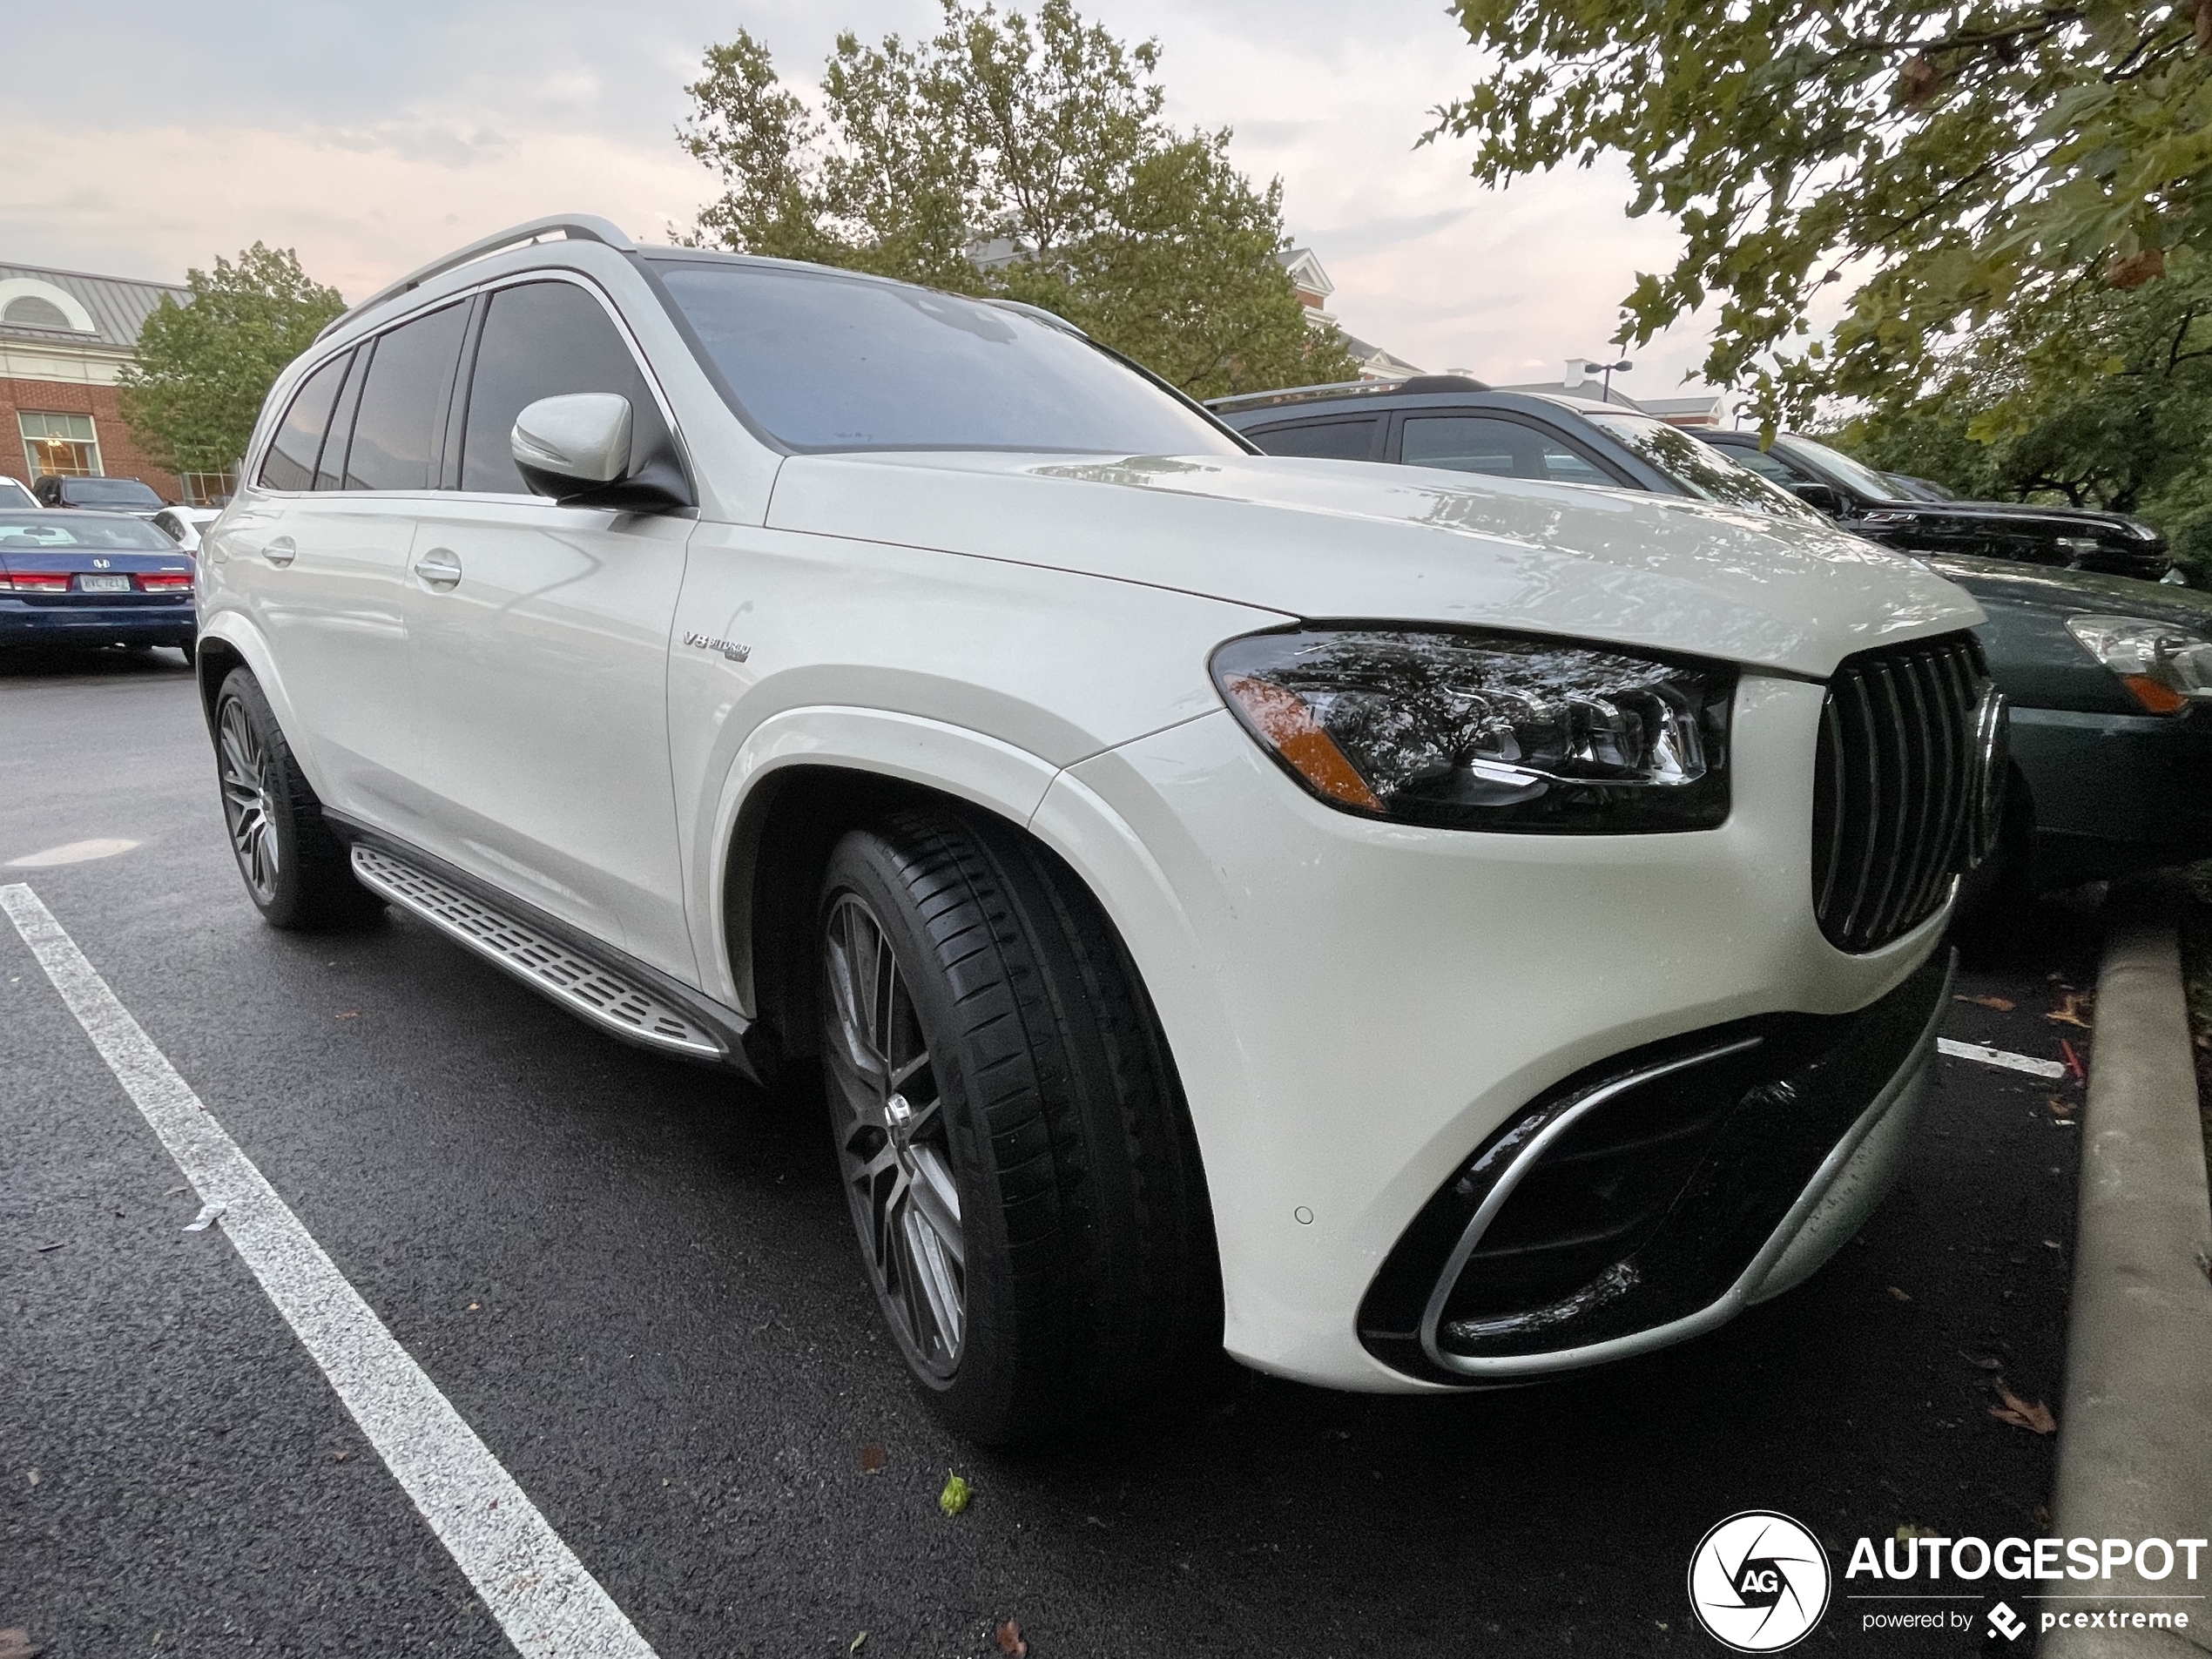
x: 2068, y: 1012
x: 351, y: 1014
x: 57, y: 1245
x: 16, y: 1644
x: 2051, y: 1244
x: 1984, y: 1363
x: 474, y: 1307
x: 856, y: 1642
x: 2060, y: 1107
x: 953, y: 1498
x: 1913, y: 1529
x: 1009, y: 1635
x: 1900, y: 1295
x: 2002, y: 1004
x: 31, y: 1475
x: 872, y: 1459
x: 2073, y: 1062
x: 2020, y: 1413
x: 2042, y: 1516
x: 340, y: 1457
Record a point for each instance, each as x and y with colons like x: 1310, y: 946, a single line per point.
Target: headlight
x: 2166, y: 667
x: 1488, y: 732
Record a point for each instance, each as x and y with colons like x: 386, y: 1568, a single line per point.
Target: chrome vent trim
x: 1898, y: 787
x: 585, y: 986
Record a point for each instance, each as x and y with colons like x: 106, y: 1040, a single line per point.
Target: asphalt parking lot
x: 636, y: 1282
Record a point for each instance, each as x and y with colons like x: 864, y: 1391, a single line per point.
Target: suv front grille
x: 1898, y: 787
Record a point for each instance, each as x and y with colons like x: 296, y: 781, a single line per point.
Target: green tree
x: 1015, y: 156
x: 1961, y: 163
x: 2101, y: 398
x: 203, y: 367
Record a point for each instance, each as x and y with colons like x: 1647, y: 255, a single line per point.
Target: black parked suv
x: 102, y: 494
x: 1886, y: 511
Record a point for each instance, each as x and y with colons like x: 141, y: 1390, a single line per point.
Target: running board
x: 603, y: 995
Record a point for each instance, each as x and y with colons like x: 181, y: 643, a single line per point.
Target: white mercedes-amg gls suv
x: 1418, y: 932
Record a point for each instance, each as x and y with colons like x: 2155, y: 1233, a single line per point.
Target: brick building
x: 64, y: 338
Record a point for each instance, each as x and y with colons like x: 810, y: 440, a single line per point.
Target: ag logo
x: 1758, y: 1582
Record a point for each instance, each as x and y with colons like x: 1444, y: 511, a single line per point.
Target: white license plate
x: 104, y: 584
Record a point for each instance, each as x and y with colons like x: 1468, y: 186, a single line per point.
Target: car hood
x: 2076, y: 593
x: 2081, y: 520
x: 1351, y: 539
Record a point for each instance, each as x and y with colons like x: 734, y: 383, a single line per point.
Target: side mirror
x: 577, y: 450
x: 1821, y: 497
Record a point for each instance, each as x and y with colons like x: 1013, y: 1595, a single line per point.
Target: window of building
x: 63, y: 445
x: 29, y: 311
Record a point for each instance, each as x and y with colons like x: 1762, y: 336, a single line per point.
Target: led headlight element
x: 2163, y: 667
x: 1488, y: 730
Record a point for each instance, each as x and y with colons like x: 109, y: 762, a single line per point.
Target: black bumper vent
x: 1898, y: 784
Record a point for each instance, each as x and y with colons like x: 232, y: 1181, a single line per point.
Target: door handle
x: 281, y: 552
x: 438, y: 568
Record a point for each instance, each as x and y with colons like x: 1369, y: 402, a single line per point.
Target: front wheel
x: 1013, y: 1145
x: 295, y: 869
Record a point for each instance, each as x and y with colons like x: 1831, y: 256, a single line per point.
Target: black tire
x: 1090, y: 1280
x: 295, y: 869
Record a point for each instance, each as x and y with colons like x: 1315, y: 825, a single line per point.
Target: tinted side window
x: 1764, y: 463
x: 1323, y: 439
x: 330, y: 472
x: 403, y: 402
x: 546, y: 340
x: 1498, y: 449
x: 290, y: 463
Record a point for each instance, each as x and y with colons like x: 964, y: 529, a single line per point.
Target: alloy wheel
x: 244, y: 762
x: 892, y: 1142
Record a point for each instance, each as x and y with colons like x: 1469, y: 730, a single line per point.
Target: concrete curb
x: 2135, y: 1427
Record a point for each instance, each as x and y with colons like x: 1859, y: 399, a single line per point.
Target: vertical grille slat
x: 1895, y: 778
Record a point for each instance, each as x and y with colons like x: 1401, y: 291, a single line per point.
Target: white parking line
x: 549, y: 1605
x: 2032, y: 1067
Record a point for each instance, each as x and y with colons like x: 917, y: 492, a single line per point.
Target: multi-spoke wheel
x: 242, y: 763
x: 1015, y: 1151
x: 890, y: 1140
x: 295, y: 870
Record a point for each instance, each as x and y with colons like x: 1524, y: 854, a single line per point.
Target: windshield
x: 110, y: 492
x: 1856, y: 476
x: 825, y: 362
x: 20, y: 532
x: 1698, y: 467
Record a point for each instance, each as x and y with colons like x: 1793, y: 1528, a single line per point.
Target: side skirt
x: 587, y: 976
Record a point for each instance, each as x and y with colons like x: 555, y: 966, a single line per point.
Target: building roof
x: 116, y: 307
x: 1305, y: 271
x: 1375, y: 363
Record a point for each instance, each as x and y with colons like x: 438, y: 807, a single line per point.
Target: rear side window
x: 1765, y: 464
x: 1322, y: 439
x: 1495, y: 447
x: 546, y: 340
x: 290, y: 463
x: 330, y: 472
x: 397, y: 429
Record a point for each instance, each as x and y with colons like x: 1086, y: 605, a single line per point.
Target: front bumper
x: 1656, y: 1196
x: 2114, y: 792
x: 1356, y: 1009
x: 156, y: 620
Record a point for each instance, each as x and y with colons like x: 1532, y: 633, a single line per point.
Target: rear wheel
x: 1015, y: 1149
x: 295, y: 869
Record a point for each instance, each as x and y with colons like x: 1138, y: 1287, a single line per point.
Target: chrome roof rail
x: 576, y: 227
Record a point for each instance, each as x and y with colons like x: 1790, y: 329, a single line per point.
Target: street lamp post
x: 1607, y: 369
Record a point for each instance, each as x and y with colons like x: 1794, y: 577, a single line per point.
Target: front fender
x: 951, y: 759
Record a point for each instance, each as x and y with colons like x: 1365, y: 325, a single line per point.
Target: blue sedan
x: 86, y: 578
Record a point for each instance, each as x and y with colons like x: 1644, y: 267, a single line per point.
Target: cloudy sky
x: 372, y: 138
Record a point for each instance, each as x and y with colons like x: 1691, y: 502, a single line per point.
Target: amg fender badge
x: 707, y: 641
